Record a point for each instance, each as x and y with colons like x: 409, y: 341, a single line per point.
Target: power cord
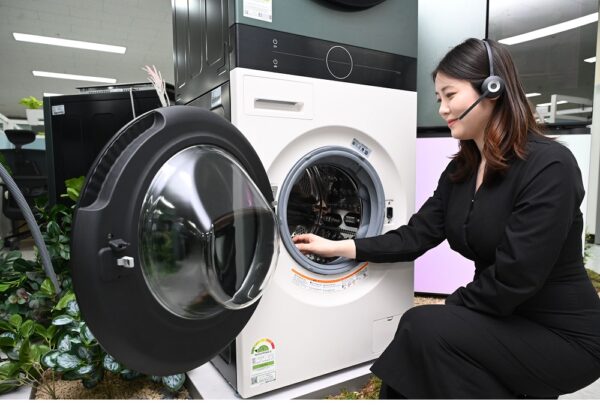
x: 33, y: 226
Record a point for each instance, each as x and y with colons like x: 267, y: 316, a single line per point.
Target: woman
x: 528, y: 325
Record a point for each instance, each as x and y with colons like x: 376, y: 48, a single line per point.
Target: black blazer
x: 524, y: 234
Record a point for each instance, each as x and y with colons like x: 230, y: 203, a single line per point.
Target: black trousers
x: 452, y: 352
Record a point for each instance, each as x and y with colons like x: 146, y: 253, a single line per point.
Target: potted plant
x: 43, y: 339
x: 35, y: 115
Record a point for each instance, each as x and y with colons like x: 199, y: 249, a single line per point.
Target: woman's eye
x: 450, y: 95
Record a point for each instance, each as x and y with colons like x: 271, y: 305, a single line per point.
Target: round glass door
x: 174, y: 240
x: 203, y: 230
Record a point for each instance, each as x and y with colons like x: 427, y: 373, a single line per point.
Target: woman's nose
x: 443, y: 110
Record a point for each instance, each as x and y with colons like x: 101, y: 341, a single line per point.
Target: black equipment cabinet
x: 79, y: 126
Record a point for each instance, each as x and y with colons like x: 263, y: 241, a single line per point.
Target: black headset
x: 492, y: 87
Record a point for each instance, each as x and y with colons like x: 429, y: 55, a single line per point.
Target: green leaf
x: 37, y: 351
x: 5, y: 326
x: 94, y: 378
x: 4, y: 286
x: 111, y: 364
x: 8, y: 369
x: 14, y: 353
x: 86, y: 335
x: 74, y: 187
x: 52, y: 229
x: 49, y: 359
x: 68, y: 361
x: 62, y: 320
x: 41, y: 331
x: 6, y: 341
x: 174, y: 382
x: 64, y: 343
x: 86, y: 369
x: 129, y: 375
x: 48, y: 288
x: 16, y: 320
x: 62, y: 303
x: 22, y: 266
x: 8, y: 386
x: 25, y: 355
x: 27, y: 328
x: 12, y: 256
x: 84, y: 353
x: 73, y: 308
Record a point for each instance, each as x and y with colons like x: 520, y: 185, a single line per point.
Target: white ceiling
x: 143, y: 26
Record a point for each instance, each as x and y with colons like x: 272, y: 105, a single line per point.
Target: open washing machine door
x: 174, y: 240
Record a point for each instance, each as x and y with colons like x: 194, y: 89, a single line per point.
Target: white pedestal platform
x: 206, y: 382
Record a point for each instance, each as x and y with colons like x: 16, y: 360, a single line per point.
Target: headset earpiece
x: 493, y: 86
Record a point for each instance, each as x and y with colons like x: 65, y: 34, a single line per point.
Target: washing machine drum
x: 173, y: 241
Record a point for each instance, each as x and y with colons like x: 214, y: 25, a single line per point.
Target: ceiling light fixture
x: 52, y: 94
x: 69, y: 43
x: 590, y: 60
x: 551, y: 30
x: 74, y: 77
x: 533, y: 94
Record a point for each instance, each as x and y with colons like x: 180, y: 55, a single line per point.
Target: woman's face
x: 455, y: 96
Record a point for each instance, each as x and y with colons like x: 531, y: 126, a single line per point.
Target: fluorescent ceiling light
x: 533, y: 94
x: 51, y: 94
x: 551, y: 30
x: 74, y: 77
x: 549, y: 104
x: 590, y: 60
x: 68, y: 43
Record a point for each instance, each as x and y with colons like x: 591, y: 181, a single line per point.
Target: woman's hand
x: 310, y: 243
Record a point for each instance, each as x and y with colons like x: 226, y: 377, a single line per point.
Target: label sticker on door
x: 58, y: 109
x: 259, y: 9
x: 262, y: 362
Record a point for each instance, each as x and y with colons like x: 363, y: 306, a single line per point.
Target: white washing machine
x: 340, y: 160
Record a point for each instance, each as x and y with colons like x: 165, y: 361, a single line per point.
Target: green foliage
x: 31, y: 103
x: 41, y: 331
x: 369, y: 391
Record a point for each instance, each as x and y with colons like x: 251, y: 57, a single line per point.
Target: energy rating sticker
x: 262, y: 362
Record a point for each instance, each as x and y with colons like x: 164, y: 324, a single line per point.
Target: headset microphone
x: 492, y: 86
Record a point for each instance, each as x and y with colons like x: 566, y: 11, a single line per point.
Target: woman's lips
x: 451, y: 122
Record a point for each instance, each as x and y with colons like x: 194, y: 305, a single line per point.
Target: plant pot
x: 35, y: 117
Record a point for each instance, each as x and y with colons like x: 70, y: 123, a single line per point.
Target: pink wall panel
x: 441, y: 270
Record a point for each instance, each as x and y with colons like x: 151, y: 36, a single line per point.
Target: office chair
x: 28, y: 177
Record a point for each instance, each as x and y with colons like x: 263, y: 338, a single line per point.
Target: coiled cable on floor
x: 33, y: 226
